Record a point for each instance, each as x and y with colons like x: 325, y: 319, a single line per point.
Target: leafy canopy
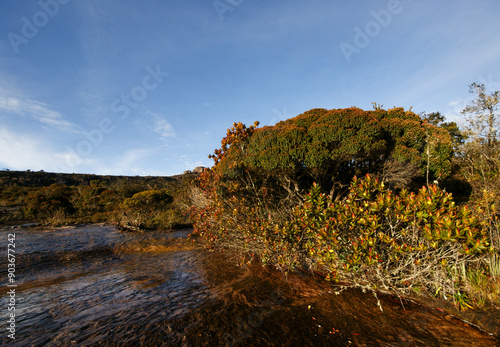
x: 331, y: 146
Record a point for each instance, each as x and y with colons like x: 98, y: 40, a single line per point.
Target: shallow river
x: 95, y: 285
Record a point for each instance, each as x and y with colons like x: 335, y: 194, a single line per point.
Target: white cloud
x: 161, y: 126
x: 188, y: 163
x: 130, y: 162
x: 22, y: 152
x: 38, y: 111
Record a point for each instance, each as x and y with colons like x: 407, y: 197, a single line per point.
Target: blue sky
x: 150, y: 87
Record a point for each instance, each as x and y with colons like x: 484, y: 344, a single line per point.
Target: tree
x: 434, y: 118
x: 482, y: 114
x: 329, y: 147
x: 480, y: 157
x: 437, y: 119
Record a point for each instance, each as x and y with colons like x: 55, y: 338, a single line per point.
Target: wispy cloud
x: 188, y: 162
x: 162, y: 126
x: 131, y: 157
x: 38, y: 111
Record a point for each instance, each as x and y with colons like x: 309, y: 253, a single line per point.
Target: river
x: 96, y: 285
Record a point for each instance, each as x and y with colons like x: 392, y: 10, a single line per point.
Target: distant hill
x: 135, y: 202
x: 42, y: 179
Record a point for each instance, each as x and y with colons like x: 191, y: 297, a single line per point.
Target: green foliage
x: 372, y: 236
x: 48, y: 201
x: 148, y: 200
x: 259, y: 172
x: 272, y: 168
x: 376, y: 228
x: 437, y: 119
x: 95, y: 199
x: 150, y: 209
x: 261, y: 200
x: 136, y: 202
x: 331, y: 146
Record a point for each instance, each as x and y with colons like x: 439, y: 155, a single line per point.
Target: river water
x: 96, y: 285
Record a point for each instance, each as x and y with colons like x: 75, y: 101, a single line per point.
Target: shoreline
x: 486, y: 320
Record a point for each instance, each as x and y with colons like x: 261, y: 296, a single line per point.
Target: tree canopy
x: 331, y: 146
x: 482, y: 113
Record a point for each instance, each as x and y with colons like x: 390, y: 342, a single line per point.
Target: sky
x: 123, y: 87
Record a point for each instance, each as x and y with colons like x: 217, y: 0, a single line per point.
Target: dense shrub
x: 146, y: 210
x: 393, y: 240
x: 48, y: 201
x: 331, y: 146
x: 262, y: 173
x: 95, y: 198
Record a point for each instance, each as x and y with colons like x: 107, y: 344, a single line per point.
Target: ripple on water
x: 98, y: 294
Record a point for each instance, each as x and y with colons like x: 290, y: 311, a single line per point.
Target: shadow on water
x: 96, y: 285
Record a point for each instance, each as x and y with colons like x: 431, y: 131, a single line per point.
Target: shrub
x: 331, y: 146
x: 400, y: 242
x: 46, y: 202
x: 146, y: 210
x: 407, y: 242
x: 254, y: 201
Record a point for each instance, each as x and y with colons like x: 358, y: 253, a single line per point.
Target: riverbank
x: 261, y: 306
x: 94, y: 283
x: 486, y: 320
